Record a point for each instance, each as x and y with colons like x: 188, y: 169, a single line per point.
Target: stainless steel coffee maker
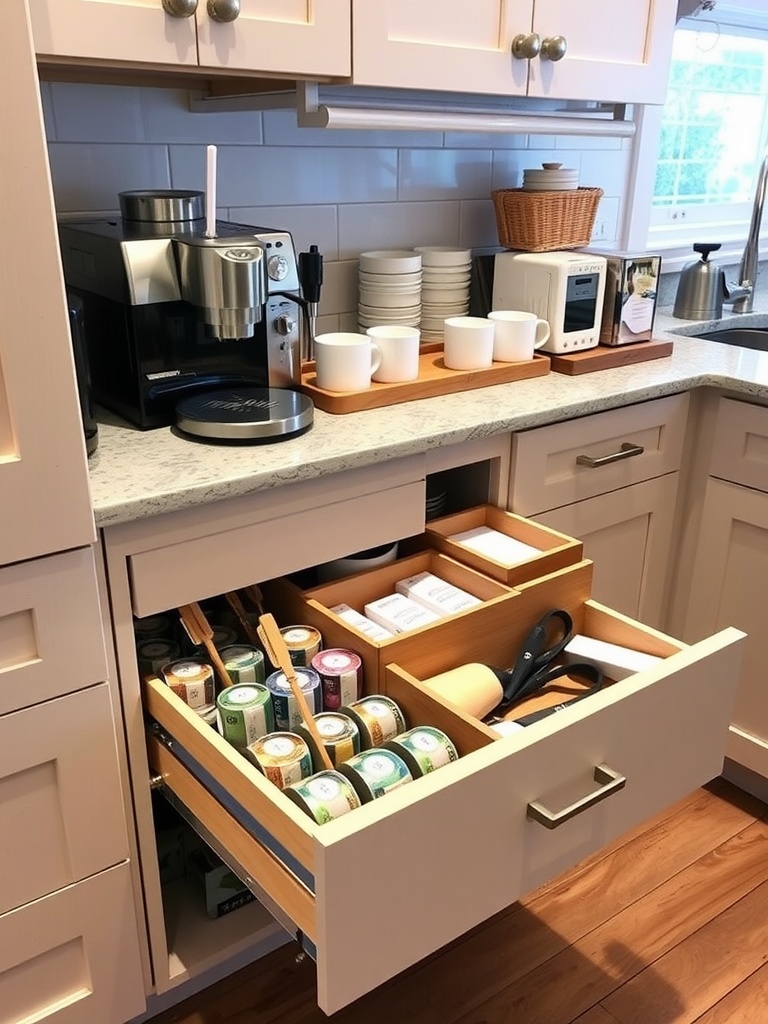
x: 174, y: 315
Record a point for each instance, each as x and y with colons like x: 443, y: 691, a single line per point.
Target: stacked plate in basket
x: 446, y: 271
x: 550, y: 177
x: 389, y: 288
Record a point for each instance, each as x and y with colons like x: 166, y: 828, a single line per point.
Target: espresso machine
x: 188, y: 326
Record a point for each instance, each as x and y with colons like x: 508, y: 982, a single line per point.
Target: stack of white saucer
x: 444, y: 288
x: 389, y: 288
x: 550, y: 177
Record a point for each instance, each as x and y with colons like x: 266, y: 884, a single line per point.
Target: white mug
x: 345, y: 362
x: 468, y: 342
x: 518, y: 335
x: 399, y: 352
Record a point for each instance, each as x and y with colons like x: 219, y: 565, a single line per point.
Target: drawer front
x: 549, y: 466
x: 50, y: 629
x: 61, y: 809
x: 740, y: 444
x: 73, y: 957
x: 398, y: 878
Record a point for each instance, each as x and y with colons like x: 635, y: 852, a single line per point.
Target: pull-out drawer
x: 740, y: 444
x: 566, y: 462
x: 381, y: 887
x: 50, y: 629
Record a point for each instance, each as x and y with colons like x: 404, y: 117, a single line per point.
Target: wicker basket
x: 543, y: 221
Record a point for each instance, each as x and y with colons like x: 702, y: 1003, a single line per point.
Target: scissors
x: 533, y: 669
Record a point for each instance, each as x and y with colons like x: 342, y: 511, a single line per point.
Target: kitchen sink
x: 744, y: 337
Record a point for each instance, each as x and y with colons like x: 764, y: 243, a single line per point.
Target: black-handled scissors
x: 533, y: 668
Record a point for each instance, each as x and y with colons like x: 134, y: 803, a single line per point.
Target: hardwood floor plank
x: 597, y: 1015
x: 746, y: 1004
x: 696, y: 970
x: 587, y: 971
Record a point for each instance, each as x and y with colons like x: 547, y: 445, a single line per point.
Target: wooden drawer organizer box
x: 392, y: 866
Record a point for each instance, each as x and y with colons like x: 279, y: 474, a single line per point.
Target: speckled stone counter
x: 136, y: 474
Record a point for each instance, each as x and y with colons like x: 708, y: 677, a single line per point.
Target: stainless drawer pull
x: 610, y: 782
x: 627, y: 451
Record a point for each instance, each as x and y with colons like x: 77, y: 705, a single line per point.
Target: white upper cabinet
x: 45, y: 502
x: 291, y: 37
x: 613, y: 51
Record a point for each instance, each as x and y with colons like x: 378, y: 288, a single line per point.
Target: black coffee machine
x: 174, y: 315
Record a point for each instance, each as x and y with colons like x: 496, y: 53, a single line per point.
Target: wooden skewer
x: 237, y: 607
x: 255, y: 594
x: 200, y: 632
x: 274, y: 645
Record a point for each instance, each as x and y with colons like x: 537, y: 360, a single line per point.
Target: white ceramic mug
x: 399, y: 352
x: 518, y: 335
x: 468, y: 342
x: 345, y: 362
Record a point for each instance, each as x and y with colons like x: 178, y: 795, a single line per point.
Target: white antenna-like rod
x: 210, y: 192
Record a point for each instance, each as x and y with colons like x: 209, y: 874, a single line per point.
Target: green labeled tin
x: 244, y: 714
x: 324, y: 796
x: 244, y: 663
x: 374, y: 773
x: 423, y: 749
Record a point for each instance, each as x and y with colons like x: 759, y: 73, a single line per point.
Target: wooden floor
x: 669, y: 925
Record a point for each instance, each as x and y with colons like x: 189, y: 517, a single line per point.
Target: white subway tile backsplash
x: 281, y: 129
x: 396, y: 226
x: 97, y: 114
x: 477, y: 224
x: 276, y: 176
x: 89, y: 177
x: 444, y: 174
x: 167, y: 118
x: 606, y: 170
x: 309, y: 225
x: 340, y: 287
x: 485, y: 140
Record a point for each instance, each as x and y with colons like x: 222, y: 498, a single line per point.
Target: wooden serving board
x: 604, y: 357
x: 434, y: 379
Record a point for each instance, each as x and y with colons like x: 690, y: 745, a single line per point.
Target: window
x: 714, y: 126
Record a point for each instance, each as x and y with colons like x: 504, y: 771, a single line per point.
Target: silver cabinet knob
x: 180, y: 8
x: 224, y: 10
x: 554, y: 48
x: 526, y: 47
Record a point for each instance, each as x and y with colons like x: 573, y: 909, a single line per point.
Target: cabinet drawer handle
x: 526, y: 47
x: 554, y: 48
x: 223, y: 10
x: 610, y: 782
x: 627, y: 451
x: 180, y: 8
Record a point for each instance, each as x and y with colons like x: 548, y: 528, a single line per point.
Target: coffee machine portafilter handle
x: 310, y: 279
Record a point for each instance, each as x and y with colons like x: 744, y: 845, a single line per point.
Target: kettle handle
x: 705, y: 248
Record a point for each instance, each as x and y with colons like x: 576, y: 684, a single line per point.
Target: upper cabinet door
x: 614, y: 51
x: 115, y: 30
x: 296, y: 37
x: 441, y: 44
x: 45, y: 502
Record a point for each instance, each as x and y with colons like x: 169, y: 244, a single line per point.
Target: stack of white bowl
x: 444, y: 288
x: 550, y: 177
x: 389, y: 288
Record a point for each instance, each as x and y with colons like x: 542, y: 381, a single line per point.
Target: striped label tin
x: 340, y: 674
x: 245, y: 714
x: 375, y: 773
x: 285, y: 706
x: 378, y: 718
x: 284, y: 758
x: 424, y: 749
x: 303, y: 643
x: 340, y: 736
x: 190, y: 680
x: 324, y: 796
x: 244, y: 663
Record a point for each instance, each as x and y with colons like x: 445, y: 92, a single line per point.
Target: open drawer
x: 381, y: 887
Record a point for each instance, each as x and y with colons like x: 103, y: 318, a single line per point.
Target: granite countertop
x: 136, y: 474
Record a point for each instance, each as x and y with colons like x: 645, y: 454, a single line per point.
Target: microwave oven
x: 564, y: 288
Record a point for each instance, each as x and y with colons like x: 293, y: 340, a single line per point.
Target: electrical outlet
x: 599, y: 230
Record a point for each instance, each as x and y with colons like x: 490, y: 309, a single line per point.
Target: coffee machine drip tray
x: 245, y: 415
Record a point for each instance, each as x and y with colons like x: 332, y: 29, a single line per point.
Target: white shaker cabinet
x: 613, y: 51
x: 271, y: 36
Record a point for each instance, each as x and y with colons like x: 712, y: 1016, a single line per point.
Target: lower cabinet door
x: 377, y: 889
x: 73, y: 957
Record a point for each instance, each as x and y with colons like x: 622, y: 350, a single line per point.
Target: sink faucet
x: 748, y: 267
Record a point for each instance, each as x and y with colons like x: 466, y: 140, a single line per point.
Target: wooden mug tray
x: 604, y: 357
x: 434, y: 379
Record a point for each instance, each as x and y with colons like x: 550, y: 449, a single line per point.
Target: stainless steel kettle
x: 701, y: 289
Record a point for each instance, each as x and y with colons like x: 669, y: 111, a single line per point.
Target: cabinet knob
x: 554, y: 48
x: 223, y: 10
x: 180, y: 8
x: 526, y: 47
